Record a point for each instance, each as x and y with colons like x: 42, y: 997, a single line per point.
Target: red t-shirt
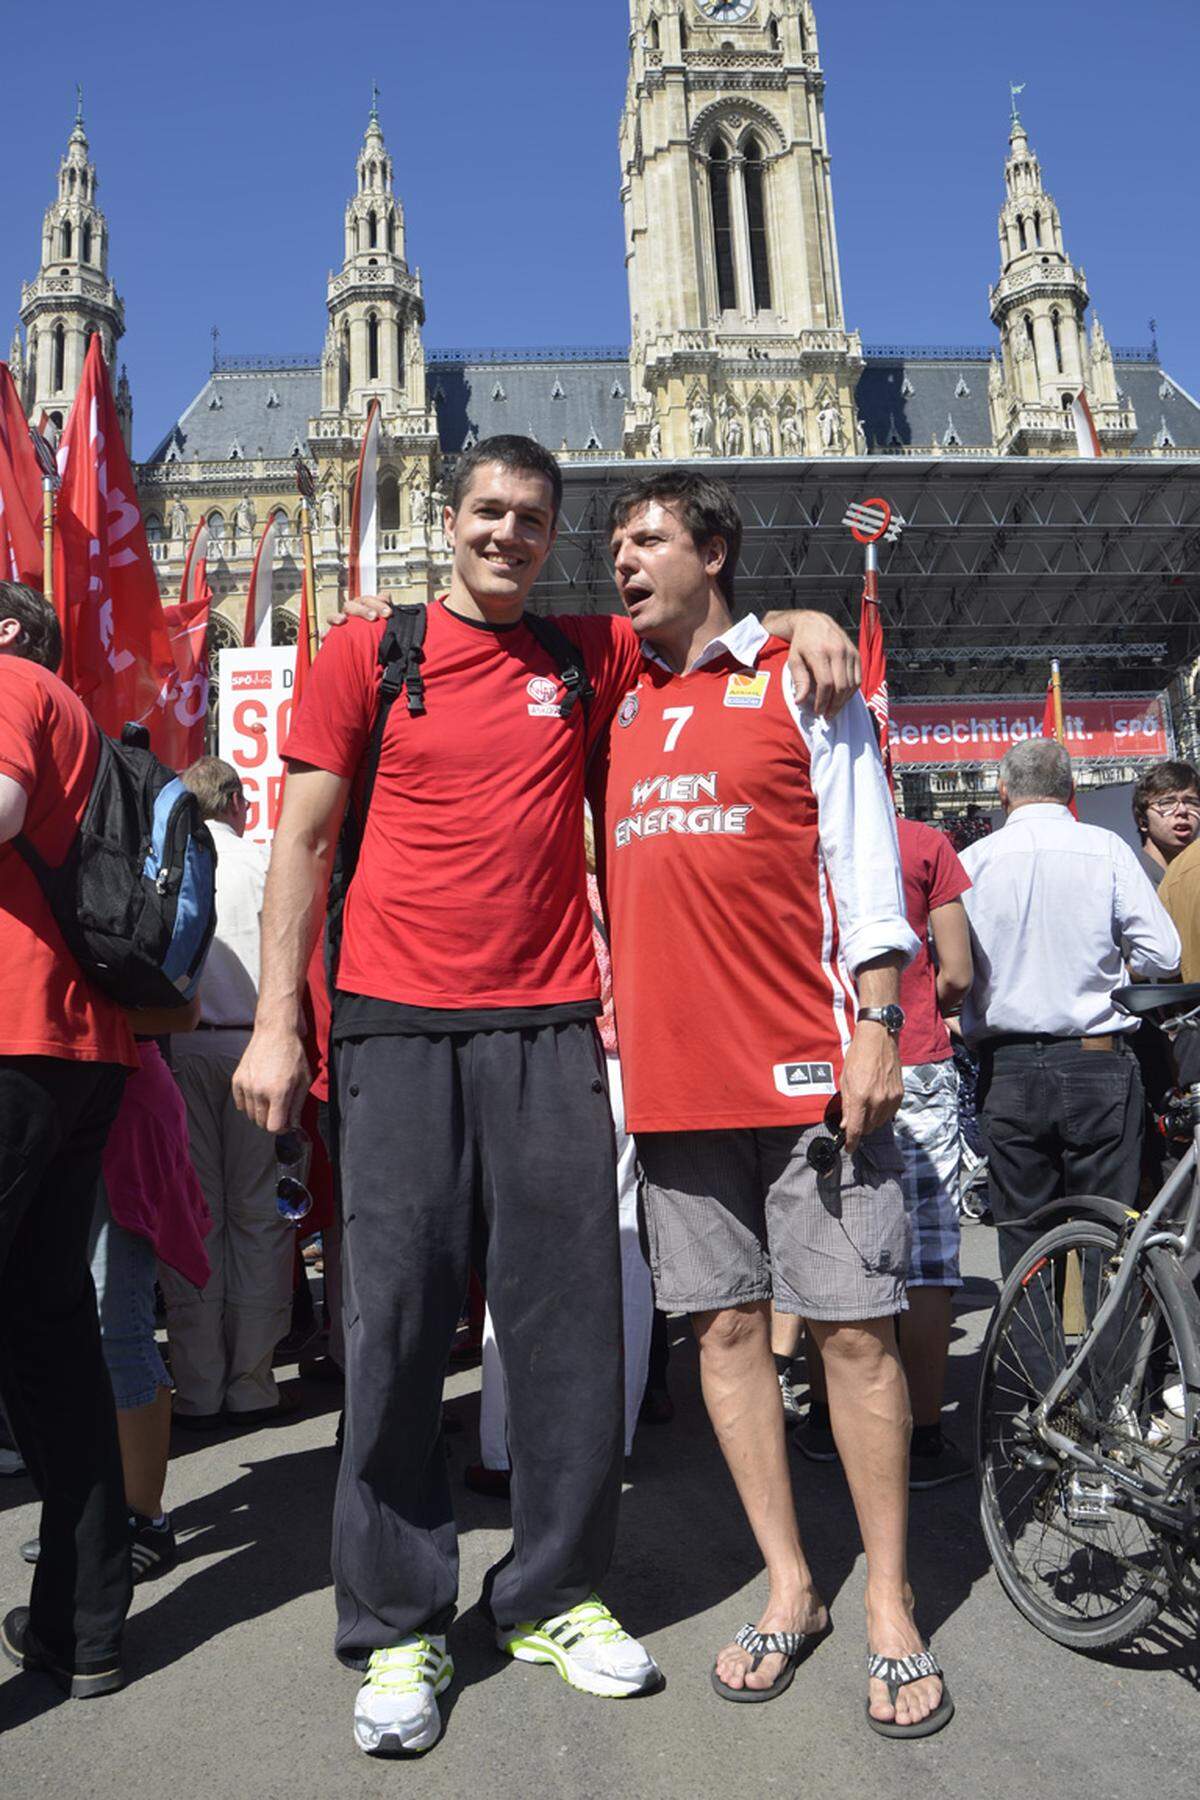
x: 470, y: 888
x: 48, y: 744
x: 933, y: 876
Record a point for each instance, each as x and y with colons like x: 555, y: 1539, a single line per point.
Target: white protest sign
x: 254, y: 712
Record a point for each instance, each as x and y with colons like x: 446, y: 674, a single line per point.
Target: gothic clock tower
x: 739, y: 341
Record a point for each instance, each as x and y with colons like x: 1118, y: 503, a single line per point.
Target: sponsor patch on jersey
x: 799, y: 1079
x: 543, y: 697
x: 747, y: 689
x: 627, y: 712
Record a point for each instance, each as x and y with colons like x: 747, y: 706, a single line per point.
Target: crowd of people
x: 641, y: 1001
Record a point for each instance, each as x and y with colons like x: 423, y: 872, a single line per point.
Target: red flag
x: 363, y: 572
x: 20, y: 492
x: 873, y: 657
x: 184, y: 696
x: 117, y: 655
x: 1087, y: 438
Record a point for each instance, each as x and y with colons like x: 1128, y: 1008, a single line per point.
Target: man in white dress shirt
x: 1058, y: 912
x: 224, y: 1336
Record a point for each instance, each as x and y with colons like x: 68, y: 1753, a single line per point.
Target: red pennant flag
x: 20, y: 492
x: 184, y: 696
x: 363, y: 571
x: 873, y: 657
x: 1087, y: 438
x: 117, y: 656
x: 260, y: 601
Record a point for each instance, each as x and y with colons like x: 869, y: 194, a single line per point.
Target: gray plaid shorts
x: 732, y: 1217
x: 926, y: 1130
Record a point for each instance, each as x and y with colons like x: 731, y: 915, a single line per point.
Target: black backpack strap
x: 569, y: 658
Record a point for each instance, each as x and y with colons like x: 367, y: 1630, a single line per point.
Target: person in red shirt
x: 470, y: 1087
x: 64, y: 1053
x: 927, y: 1132
x: 758, y: 933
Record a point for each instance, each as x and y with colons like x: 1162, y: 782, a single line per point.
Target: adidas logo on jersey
x: 800, y: 1079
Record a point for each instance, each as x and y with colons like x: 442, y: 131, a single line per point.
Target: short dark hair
x: 1160, y: 778
x: 705, y: 507
x: 41, y: 634
x: 519, y: 455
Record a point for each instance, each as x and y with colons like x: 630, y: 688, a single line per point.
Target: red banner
x: 981, y: 731
x: 20, y: 492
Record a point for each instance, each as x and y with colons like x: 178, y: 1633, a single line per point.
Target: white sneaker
x: 396, y: 1710
x: 1174, y: 1400
x: 589, y: 1649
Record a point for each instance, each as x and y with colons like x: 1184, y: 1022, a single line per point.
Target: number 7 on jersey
x: 680, y: 716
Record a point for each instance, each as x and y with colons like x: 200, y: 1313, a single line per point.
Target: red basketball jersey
x: 750, y: 864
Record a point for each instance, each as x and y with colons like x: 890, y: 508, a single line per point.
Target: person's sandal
x: 796, y: 1646
x: 902, y: 1671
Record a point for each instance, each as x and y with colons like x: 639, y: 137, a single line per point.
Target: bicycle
x: 1088, y: 1411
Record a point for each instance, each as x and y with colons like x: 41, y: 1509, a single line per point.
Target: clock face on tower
x: 727, y: 12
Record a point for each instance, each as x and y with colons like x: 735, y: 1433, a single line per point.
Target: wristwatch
x: 890, y: 1017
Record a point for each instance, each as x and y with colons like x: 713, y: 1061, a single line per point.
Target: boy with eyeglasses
x: 1166, y: 811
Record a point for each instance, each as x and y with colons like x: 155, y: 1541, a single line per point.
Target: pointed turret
x: 1039, y: 307
x: 71, y: 298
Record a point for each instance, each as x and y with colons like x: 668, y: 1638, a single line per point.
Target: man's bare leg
x: 872, y: 1423
x: 786, y: 1332
x: 741, y: 1393
x: 925, y: 1350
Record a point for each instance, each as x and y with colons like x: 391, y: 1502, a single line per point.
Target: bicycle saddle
x: 1165, y: 997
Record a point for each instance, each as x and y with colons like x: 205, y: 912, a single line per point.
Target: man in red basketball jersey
x: 759, y: 932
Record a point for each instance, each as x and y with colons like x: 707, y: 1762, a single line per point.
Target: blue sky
x: 225, y: 141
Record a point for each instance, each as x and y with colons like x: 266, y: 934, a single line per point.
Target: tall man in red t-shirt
x: 758, y: 934
x: 64, y: 1052
x: 470, y: 1085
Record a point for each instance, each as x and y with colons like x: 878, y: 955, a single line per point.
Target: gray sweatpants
x: 501, y: 1141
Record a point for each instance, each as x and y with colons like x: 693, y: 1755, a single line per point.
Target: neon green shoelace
x: 592, y: 1619
x: 405, y: 1669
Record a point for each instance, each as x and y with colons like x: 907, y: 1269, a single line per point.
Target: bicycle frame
x: 1145, y: 1235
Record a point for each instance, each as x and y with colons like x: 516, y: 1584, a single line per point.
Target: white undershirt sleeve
x: 857, y: 827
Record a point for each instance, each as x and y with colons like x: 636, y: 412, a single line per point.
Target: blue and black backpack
x: 135, y: 897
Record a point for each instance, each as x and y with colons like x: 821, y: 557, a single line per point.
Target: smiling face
x: 501, y: 536
x: 664, y: 577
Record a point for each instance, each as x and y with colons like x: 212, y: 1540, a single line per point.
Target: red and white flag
x: 117, y: 656
x: 1086, y: 435
x: 20, y: 492
x: 873, y: 657
x: 364, y: 513
x: 184, y: 697
x: 260, y: 601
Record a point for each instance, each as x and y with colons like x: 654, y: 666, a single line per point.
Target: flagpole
x: 48, y: 537
x: 1056, y: 688
x: 306, y: 541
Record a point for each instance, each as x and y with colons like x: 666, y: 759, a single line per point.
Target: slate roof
x: 579, y: 398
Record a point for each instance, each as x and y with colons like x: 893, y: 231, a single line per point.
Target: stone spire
x: 71, y: 298
x: 1039, y: 307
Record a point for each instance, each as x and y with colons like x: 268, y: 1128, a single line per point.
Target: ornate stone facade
x: 739, y: 342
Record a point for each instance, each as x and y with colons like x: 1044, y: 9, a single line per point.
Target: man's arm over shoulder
x: 1142, y: 926
x: 332, y: 723
x: 857, y: 825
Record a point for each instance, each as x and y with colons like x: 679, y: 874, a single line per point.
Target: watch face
x: 727, y: 12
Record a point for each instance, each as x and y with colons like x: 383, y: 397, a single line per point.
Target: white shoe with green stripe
x: 396, y: 1711
x: 588, y: 1648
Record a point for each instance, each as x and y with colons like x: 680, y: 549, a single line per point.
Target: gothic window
x: 1056, y: 324
x: 754, y: 176
x: 683, y: 34
x: 65, y: 238
x: 372, y: 231
x: 391, y: 233
x: 773, y: 32
x: 59, y: 380
x: 722, y: 221
x: 1037, y: 229
x: 285, y: 626
x: 400, y: 353
x: 86, y: 247
x: 154, y: 529
x: 216, y: 527
x: 372, y: 347
x: 1032, y: 342
x: 1024, y: 234
x: 655, y: 35
x: 389, y: 503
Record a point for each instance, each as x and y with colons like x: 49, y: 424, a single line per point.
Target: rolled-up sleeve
x: 1142, y: 926
x: 857, y: 827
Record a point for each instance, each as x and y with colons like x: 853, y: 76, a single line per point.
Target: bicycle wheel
x: 1070, y: 1554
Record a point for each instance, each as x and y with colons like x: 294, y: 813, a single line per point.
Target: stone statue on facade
x: 656, y: 440
x: 419, y: 506
x: 701, y: 421
x: 791, y: 430
x: 860, y: 434
x: 329, y: 510
x: 829, y: 420
x: 179, y: 521
x: 243, y: 518
x: 760, y: 434
x: 735, y: 433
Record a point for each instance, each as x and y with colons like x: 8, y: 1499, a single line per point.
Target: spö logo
x: 628, y: 710
x: 799, y: 1079
x: 543, y: 697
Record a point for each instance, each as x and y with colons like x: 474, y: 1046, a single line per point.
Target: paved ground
x: 233, y: 1691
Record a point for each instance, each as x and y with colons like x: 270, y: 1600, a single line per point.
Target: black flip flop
x: 902, y: 1671
x: 796, y: 1646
